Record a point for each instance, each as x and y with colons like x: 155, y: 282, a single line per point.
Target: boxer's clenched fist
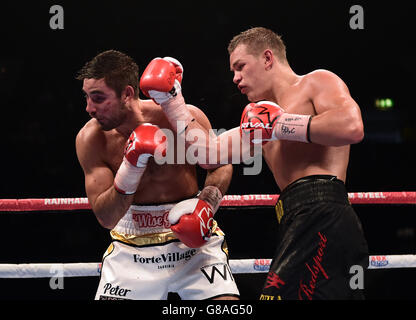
x: 161, y: 80
x: 192, y: 222
x: 273, y: 123
x: 141, y: 145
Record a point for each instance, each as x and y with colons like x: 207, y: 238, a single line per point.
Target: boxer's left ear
x: 268, y: 59
x: 128, y: 94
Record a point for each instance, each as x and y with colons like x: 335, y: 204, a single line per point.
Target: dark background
x: 43, y: 108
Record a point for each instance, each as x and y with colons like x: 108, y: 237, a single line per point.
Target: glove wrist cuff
x: 128, y: 177
x: 177, y: 113
x: 294, y: 127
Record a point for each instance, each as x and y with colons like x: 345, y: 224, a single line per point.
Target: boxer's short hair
x: 117, y: 69
x: 259, y: 39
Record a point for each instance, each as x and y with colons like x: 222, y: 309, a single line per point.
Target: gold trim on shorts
x: 146, y: 239
x: 153, y: 238
x: 279, y: 210
x: 109, y: 250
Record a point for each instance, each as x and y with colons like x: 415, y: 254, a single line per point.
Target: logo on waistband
x: 147, y: 220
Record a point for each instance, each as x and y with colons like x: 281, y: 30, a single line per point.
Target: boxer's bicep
x: 98, y: 176
x: 330, y: 93
x: 97, y: 181
x: 338, y: 117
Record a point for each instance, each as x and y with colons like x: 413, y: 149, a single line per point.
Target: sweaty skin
x: 303, y: 159
x: 100, y: 152
x: 336, y: 121
x: 335, y: 125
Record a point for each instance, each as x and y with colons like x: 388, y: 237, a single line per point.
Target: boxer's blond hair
x: 259, y: 39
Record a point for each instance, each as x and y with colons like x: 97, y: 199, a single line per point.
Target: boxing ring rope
x: 90, y: 269
x: 63, y: 204
x: 48, y: 270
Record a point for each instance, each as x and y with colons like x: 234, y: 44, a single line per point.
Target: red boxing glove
x: 273, y: 123
x: 260, y: 117
x: 178, y: 68
x: 141, y: 145
x: 191, y: 221
x: 161, y: 80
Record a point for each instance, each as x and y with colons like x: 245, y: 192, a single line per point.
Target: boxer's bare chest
x: 298, y: 98
x: 290, y: 160
x: 166, y: 182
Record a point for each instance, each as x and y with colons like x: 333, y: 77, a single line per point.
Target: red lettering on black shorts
x: 307, y: 289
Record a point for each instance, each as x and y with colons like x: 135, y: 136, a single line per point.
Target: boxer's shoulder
x: 320, y: 74
x: 91, y: 136
x: 317, y: 82
x: 93, y: 145
x: 321, y: 78
x: 90, y: 133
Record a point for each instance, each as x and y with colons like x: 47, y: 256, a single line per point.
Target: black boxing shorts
x: 320, y: 239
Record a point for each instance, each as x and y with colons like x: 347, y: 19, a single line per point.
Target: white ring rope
x: 49, y: 270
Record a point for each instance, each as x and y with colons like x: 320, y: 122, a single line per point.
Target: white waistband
x: 152, y: 208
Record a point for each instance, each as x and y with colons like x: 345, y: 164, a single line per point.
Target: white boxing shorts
x: 145, y: 261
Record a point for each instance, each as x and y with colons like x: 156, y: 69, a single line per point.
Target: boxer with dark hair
x: 131, y: 193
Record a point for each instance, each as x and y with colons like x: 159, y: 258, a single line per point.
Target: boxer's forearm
x: 217, y: 183
x: 227, y: 148
x: 110, y: 206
